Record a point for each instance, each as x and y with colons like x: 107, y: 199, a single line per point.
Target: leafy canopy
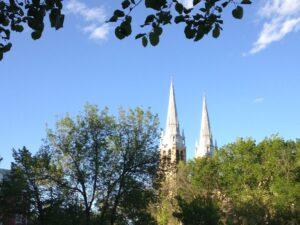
x: 92, y: 169
x: 243, y: 183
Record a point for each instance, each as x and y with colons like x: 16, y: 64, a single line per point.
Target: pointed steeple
x: 172, y: 126
x: 205, y: 146
x: 172, y: 135
x: 172, y: 131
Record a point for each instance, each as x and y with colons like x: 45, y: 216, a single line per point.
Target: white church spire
x: 205, y: 145
x: 172, y: 125
x: 171, y: 138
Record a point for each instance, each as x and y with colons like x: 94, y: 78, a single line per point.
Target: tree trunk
x: 114, y: 209
x: 87, y: 216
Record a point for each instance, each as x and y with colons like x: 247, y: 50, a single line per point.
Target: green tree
x: 13, y: 198
x: 135, y: 144
x: 78, y: 150
x: 197, y: 188
x: 110, y: 163
x: 280, y: 165
x: 24, y: 190
x: 27, y: 191
x: 243, y: 183
x: 198, y: 211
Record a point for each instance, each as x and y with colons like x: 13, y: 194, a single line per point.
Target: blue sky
x: 250, y: 75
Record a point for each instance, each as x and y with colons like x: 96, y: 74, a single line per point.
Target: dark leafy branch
x: 205, y: 16
x: 15, y: 15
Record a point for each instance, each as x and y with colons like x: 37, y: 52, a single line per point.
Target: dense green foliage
x: 94, y: 169
x: 99, y: 169
x: 243, y: 183
x: 29, y: 193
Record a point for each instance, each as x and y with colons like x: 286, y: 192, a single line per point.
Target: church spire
x: 172, y: 143
x: 172, y: 125
x: 205, y: 146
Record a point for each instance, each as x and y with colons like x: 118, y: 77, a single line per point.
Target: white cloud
x: 258, y: 100
x: 97, y: 32
x: 187, y: 3
x: 95, y: 27
x: 280, y: 18
x: 279, y: 7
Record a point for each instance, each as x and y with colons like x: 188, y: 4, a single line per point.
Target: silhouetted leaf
x: 36, y: 35
x: 119, y: 13
x: 179, y: 8
x: 216, y: 32
x: 155, y: 4
x: 238, y: 12
x: 154, y: 38
x: 195, y: 2
x: 125, y: 4
x: 144, y: 41
x: 246, y: 2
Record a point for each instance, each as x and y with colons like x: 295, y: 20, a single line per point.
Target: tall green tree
x: 110, y: 163
x: 25, y: 190
x: 78, y: 149
x: 134, y: 143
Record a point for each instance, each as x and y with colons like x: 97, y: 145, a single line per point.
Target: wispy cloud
x: 94, y: 17
x: 280, y: 18
x: 97, y: 32
x: 258, y: 100
x: 187, y: 3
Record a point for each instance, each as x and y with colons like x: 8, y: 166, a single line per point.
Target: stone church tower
x: 173, y: 150
x: 172, y: 143
x: 205, y: 146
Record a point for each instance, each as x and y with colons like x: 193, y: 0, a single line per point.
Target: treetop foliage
x: 243, y: 183
x: 97, y: 168
x: 94, y: 167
